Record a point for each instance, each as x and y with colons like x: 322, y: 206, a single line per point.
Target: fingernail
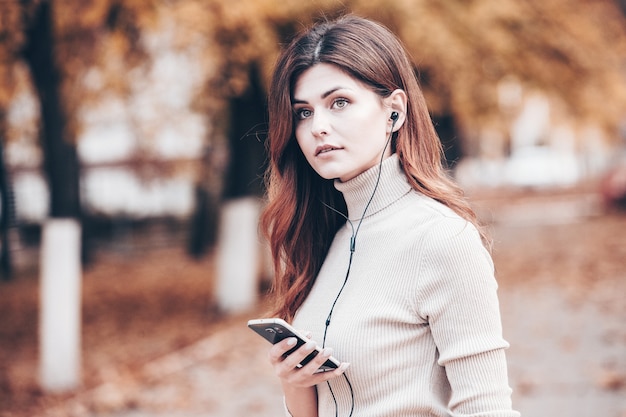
x: 344, y: 366
x: 291, y: 341
x: 310, y: 345
x: 327, y: 352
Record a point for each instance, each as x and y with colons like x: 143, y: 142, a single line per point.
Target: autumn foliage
x: 573, y: 50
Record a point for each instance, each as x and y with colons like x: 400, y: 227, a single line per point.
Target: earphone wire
x: 352, y: 250
x: 356, y: 231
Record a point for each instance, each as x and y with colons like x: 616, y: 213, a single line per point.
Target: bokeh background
x: 142, y: 123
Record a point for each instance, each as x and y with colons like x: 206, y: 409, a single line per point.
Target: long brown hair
x: 295, y: 220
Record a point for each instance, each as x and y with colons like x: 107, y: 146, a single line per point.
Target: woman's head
x: 365, y: 50
x: 341, y: 126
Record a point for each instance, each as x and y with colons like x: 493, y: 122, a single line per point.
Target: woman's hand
x: 286, y: 367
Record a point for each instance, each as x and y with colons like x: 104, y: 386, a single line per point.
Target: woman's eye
x: 340, y: 103
x: 303, y: 113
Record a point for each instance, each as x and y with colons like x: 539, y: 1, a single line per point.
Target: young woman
x: 376, y: 252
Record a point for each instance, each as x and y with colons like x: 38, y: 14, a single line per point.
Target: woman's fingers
x: 310, y: 375
x: 319, y: 360
x: 287, y: 363
x: 278, y: 351
x: 284, y: 360
x: 293, y: 360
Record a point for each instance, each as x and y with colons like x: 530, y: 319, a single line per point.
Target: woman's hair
x: 298, y: 225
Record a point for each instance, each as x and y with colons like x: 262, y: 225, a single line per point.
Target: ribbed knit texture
x: 419, y: 318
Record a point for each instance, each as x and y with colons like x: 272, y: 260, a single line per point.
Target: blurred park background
x: 131, y: 161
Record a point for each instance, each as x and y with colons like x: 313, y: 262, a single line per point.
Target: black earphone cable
x: 356, y: 231
x: 352, y: 250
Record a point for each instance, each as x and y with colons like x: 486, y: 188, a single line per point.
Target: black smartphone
x: 274, y: 330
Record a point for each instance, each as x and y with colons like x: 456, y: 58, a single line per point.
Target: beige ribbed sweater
x: 419, y: 319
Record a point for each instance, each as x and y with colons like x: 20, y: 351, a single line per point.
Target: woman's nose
x: 320, y: 125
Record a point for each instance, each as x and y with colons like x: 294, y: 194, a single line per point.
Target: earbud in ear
x: 394, y: 116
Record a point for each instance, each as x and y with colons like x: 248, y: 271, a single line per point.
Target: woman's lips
x: 324, y: 149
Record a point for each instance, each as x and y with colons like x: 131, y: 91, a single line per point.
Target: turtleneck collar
x: 357, y: 191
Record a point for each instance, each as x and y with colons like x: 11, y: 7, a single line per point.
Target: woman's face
x: 341, y: 125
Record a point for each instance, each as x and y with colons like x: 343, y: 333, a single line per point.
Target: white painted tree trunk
x: 238, y: 255
x: 60, y: 309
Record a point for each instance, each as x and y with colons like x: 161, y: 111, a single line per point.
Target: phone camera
x: 270, y: 330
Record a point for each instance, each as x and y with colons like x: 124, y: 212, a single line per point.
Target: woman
x: 375, y: 250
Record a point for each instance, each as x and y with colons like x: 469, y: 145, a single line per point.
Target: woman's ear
x: 397, y: 104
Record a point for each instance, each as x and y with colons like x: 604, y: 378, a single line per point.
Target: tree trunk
x: 239, y: 251
x: 8, y: 218
x: 60, y: 157
x: 7, y: 221
x: 59, y: 324
x: 203, y: 232
x: 248, y: 127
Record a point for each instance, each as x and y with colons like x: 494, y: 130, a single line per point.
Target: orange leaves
x: 572, y: 49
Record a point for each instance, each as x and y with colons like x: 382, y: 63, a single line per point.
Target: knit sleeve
x: 458, y: 298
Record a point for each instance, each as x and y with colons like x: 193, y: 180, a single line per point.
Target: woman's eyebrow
x: 323, y: 96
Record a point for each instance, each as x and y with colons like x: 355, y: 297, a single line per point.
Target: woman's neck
x: 374, y: 189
